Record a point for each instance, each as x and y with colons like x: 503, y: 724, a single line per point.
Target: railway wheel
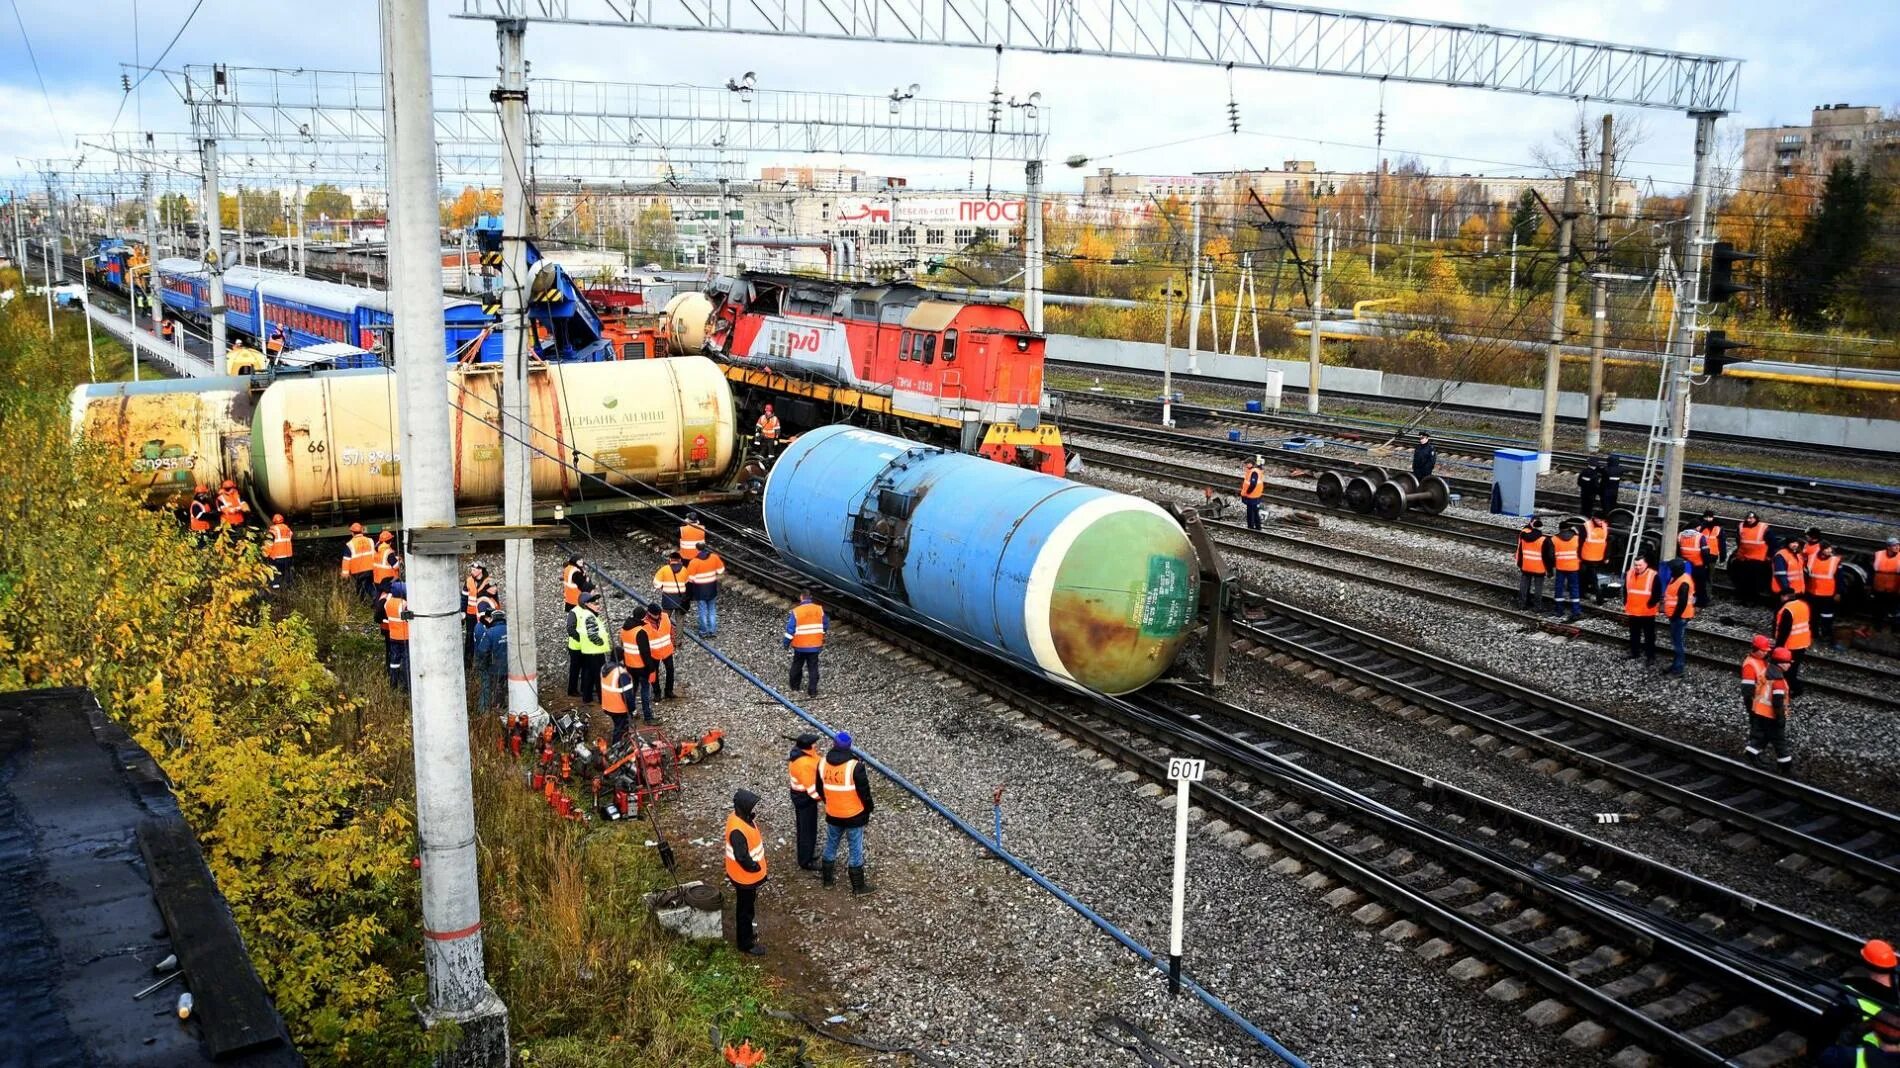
x: 1388, y: 501
x: 1440, y: 495
x: 1359, y: 493
x: 1330, y: 489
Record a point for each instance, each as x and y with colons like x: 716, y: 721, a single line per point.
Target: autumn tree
x: 1809, y: 272
x: 326, y: 201
x: 655, y: 238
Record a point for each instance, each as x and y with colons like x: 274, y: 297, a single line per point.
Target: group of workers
x: 838, y: 784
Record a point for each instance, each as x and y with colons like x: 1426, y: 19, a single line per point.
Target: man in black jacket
x: 1424, y: 457
x: 1589, y: 484
x: 1611, y: 485
x: 848, y: 806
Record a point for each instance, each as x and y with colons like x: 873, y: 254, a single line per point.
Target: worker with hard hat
x: 397, y: 615
x: 199, y: 512
x: 1852, y: 1018
x: 767, y: 429
x: 1768, y: 713
x: 359, y: 560
x: 587, y: 646
x: 385, y: 564
x: 1253, y: 485
x: 278, y: 549
x: 1754, y: 666
x: 231, y: 507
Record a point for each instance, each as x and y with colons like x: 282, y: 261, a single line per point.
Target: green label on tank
x: 1168, y: 600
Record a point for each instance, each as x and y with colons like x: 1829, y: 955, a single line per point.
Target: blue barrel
x: 1253, y: 405
x: 1095, y: 587
x: 1233, y: 435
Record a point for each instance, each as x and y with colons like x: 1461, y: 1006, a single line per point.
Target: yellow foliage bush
x: 308, y: 843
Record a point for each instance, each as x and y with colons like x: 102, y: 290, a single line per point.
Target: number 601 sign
x: 1182, y: 768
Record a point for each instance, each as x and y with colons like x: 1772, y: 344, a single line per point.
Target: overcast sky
x: 1797, y: 55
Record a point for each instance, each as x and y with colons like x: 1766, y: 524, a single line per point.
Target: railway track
x: 1687, y: 970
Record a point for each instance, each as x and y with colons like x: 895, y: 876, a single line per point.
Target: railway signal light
x: 1722, y: 261
x: 1715, y: 352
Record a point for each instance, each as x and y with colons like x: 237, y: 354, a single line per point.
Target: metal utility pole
x: 1194, y: 288
x: 1167, y: 350
x: 1312, y: 347
x: 1600, y: 300
x: 1559, y: 297
x: 1032, y: 245
x: 725, y: 225
x: 517, y: 462
x: 459, y: 993
x: 1688, y: 311
x: 213, y: 246
x: 240, y: 224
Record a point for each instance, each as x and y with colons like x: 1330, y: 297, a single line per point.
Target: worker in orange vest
x: 702, y: 587
x: 168, y: 329
x: 805, y: 630
x: 1768, y: 718
x: 397, y: 615
x: 278, y: 550
x: 1593, y: 552
x: 231, y: 507
x: 617, y: 682
x: 636, y: 655
x: 848, y: 807
x: 766, y: 430
x: 659, y: 628
x: 1535, y: 559
x: 1253, y: 485
x: 691, y: 534
x: 476, y: 588
x: 670, y: 581
x: 274, y: 345
x: 358, y: 560
x: 1749, y: 569
x: 199, y: 512
x: 574, y: 581
x: 801, y: 771
x: 385, y: 567
x: 1790, y: 568
x: 1678, y: 607
x: 1641, y: 595
x: 1754, y: 666
x: 1823, y: 599
x: 1693, y: 549
x: 1567, y: 561
x: 745, y: 867
x: 1794, y: 632
x: 1886, y: 585
x: 1711, y: 531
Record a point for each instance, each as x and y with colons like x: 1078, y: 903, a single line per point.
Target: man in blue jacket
x: 491, y: 659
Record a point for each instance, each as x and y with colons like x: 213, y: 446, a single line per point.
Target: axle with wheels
x: 1402, y: 491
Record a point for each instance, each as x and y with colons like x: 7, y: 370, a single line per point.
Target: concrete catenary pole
x: 49, y: 251
x: 1559, y: 303
x: 1194, y: 287
x: 517, y: 460
x: 1600, y: 299
x: 213, y: 247
x: 1032, y: 244
x: 1688, y: 312
x: 459, y: 993
x: 1313, y: 327
x: 151, y: 258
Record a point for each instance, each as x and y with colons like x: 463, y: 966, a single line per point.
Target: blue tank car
x: 1094, y: 587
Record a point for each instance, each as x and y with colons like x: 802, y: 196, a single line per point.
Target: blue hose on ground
x: 1022, y: 867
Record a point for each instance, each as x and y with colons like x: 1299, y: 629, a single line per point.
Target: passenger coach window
x: 949, y: 346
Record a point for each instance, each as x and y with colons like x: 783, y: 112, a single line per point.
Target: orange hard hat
x: 1878, y: 953
x: 1783, y: 656
x: 356, y: 528
x: 228, y: 484
x: 277, y: 517
x: 202, y: 488
x: 1763, y: 643
x: 386, y: 535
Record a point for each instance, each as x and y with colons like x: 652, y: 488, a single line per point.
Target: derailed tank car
x: 1092, y: 586
x: 173, y: 433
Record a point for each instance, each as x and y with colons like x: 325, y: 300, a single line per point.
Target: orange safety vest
x: 691, y: 534
x: 278, y: 547
x: 1681, y: 587
x: 841, y: 789
x: 1689, y: 546
x: 275, y: 345
x: 1713, y: 535
x: 660, y: 637
x: 357, y: 555
x: 808, y: 627
x: 768, y: 427
x: 1752, y: 541
x: 630, y: 646
x: 570, y: 588
x: 705, y: 570
x: 1810, y: 551
x: 1821, y: 575
x: 230, y: 508
x: 397, y: 627
x: 1754, y: 666
x: 1530, y: 555
x: 1637, y: 590
x: 669, y: 581
x: 1566, y: 551
x: 1253, y: 484
x: 1798, y: 636
x: 1887, y: 571
x: 1797, y: 572
x: 384, y: 566
x: 1772, y: 684
x: 802, y: 772
x: 755, y: 848
x: 200, y: 513
x: 1596, y: 541
x: 472, y: 594
x: 615, y: 684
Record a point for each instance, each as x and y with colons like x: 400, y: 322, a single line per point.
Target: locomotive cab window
x: 903, y: 346
x: 949, y: 346
x: 927, y: 347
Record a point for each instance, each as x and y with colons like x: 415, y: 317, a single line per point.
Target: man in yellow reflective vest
x: 848, y: 807
x: 745, y: 867
x: 805, y: 630
x: 587, y: 645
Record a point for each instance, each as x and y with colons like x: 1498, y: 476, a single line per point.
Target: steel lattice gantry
x: 1247, y: 35
x: 583, y: 119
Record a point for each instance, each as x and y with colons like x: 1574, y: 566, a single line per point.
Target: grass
x: 590, y: 980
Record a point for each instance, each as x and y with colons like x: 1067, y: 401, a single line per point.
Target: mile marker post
x: 1181, y: 772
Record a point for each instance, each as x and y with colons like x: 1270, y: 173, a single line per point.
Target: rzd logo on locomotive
x: 803, y: 340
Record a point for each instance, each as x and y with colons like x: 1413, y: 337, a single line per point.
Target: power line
x: 44, y: 95
x: 147, y: 72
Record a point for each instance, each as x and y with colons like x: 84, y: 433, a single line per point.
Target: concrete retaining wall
x: 1630, y: 413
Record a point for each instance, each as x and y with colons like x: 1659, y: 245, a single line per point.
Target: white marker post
x: 1181, y: 771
